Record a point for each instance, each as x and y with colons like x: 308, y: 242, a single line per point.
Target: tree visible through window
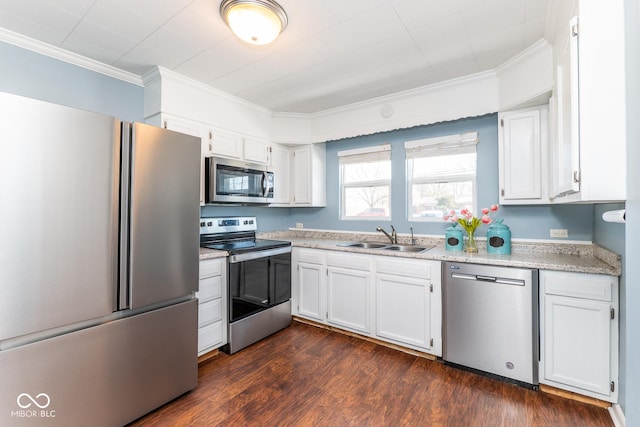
x: 365, y: 183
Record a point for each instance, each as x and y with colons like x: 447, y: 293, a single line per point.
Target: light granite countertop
x: 572, y: 257
x: 212, y: 253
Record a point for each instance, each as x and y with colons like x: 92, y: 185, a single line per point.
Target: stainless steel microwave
x: 232, y: 181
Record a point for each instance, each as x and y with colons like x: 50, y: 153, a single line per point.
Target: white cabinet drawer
x: 350, y: 261
x: 209, y: 312
x: 578, y: 285
x: 210, y: 288
x: 415, y: 268
x: 211, y: 267
x: 209, y: 336
x: 310, y: 255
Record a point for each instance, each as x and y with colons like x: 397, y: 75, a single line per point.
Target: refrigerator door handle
x: 125, y: 202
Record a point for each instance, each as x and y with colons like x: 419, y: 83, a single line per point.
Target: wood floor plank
x: 309, y: 376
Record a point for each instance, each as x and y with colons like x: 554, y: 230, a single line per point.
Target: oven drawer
x: 209, y: 312
x: 210, y: 288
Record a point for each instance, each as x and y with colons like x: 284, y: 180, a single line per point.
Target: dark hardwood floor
x: 308, y: 376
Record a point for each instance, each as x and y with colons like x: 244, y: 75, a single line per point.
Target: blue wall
x: 612, y: 236
x: 531, y: 222
x: 30, y: 74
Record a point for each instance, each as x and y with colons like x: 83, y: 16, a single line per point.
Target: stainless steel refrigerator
x: 99, y: 237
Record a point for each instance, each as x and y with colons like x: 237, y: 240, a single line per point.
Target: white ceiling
x: 333, y: 53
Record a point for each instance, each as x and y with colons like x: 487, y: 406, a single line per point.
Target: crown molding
x: 161, y: 72
x: 55, y: 52
x: 538, y: 48
x: 410, y: 93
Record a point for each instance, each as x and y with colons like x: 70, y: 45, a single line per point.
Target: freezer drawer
x: 491, y: 320
x: 107, y: 375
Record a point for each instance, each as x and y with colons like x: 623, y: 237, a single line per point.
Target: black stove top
x: 235, y: 235
x: 240, y: 246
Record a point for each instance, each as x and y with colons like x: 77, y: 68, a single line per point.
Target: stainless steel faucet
x: 393, y: 236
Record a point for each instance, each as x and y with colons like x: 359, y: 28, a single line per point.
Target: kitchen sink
x: 364, y: 245
x: 406, y: 248
x: 385, y: 246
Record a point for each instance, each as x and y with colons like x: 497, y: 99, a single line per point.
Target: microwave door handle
x: 265, y: 184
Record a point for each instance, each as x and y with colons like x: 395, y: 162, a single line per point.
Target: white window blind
x: 365, y: 155
x: 449, y: 145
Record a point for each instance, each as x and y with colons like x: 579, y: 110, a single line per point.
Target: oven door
x: 258, y: 280
x: 229, y: 181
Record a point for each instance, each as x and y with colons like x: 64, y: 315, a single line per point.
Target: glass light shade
x: 255, y: 22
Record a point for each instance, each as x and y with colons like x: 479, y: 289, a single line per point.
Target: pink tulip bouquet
x: 470, y: 223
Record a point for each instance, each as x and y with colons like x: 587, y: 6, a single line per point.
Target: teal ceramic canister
x: 453, y: 240
x: 498, y: 238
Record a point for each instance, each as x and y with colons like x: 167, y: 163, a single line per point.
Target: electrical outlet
x: 559, y: 232
x: 299, y: 225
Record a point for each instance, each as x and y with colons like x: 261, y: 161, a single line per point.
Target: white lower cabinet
x: 349, y: 291
x: 308, y: 274
x: 408, y: 303
x: 392, y: 299
x: 579, y: 333
x: 212, y: 307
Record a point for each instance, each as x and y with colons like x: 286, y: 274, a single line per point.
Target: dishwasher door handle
x: 500, y: 280
x: 472, y: 277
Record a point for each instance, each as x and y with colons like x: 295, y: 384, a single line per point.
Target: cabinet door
x: 302, y: 175
x: 520, y: 146
x: 349, y: 298
x: 220, y: 143
x: 256, y: 151
x: 309, y: 292
x: 403, y: 309
x: 577, y: 341
x: 280, y: 165
x: 565, y: 146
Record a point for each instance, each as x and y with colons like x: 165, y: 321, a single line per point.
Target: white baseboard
x: 617, y: 416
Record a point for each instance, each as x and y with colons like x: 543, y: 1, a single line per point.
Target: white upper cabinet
x: 523, y: 153
x: 588, y: 143
x: 256, y: 151
x: 224, y: 144
x: 309, y: 175
x: 280, y: 164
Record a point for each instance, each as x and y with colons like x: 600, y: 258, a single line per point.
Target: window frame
x: 364, y: 155
x: 436, y: 147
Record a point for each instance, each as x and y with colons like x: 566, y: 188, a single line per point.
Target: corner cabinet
x: 392, y: 299
x: 588, y: 142
x: 212, y: 306
x: 579, y: 333
x: 523, y: 156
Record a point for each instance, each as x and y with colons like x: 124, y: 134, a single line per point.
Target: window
x: 365, y: 183
x: 441, y: 176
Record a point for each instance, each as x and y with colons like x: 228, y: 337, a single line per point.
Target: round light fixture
x: 254, y: 21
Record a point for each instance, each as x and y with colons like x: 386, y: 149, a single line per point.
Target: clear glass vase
x: 470, y: 245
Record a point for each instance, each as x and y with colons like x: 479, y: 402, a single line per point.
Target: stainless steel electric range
x: 259, y: 279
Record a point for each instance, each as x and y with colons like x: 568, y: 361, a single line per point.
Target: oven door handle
x: 248, y: 256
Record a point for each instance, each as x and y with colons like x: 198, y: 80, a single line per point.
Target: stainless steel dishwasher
x: 491, y: 320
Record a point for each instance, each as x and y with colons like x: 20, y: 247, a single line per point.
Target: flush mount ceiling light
x: 254, y: 21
